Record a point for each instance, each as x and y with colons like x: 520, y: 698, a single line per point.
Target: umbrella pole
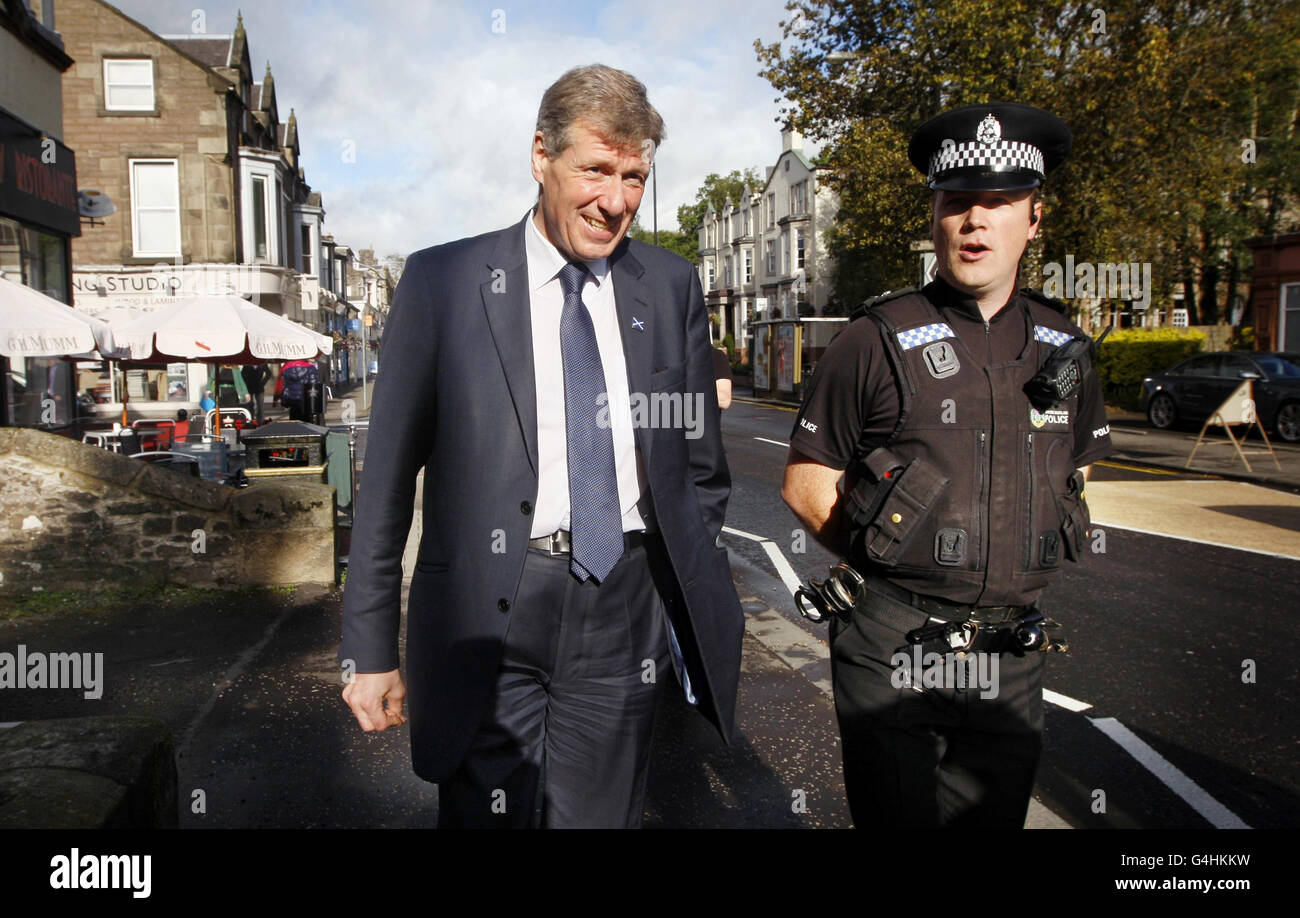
x: 124, y: 395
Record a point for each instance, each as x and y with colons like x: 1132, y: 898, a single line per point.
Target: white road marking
x: 1065, y: 701
x: 788, y: 576
x: 1254, y: 551
x: 773, y: 442
x: 744, y: 535
x: 1215, y: 812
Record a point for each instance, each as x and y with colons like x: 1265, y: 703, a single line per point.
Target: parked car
x: 1190, y: 391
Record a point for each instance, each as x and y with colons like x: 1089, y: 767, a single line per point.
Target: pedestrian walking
x: 964, y: 430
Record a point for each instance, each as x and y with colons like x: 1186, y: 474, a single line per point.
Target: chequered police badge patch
x: 1051, y: 335
x: 915, y: 337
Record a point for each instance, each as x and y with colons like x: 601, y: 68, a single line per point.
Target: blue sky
x: 440, y: 108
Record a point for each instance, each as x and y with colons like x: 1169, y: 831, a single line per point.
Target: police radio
x: 1064, y: 371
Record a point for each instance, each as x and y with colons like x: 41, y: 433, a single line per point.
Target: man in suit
x: 555, y: 382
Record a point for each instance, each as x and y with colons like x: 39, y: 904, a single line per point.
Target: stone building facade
x: 210, y: 192
x: 765, y: 256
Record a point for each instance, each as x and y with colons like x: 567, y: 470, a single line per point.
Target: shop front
x: 38, y: 218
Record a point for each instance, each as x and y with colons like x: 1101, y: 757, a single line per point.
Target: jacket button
x: 525, y: 508
x: 503, y: 605
x: 897, y: 518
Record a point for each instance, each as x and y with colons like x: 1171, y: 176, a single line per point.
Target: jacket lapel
x: 636, y: 321
x: 506, y: 304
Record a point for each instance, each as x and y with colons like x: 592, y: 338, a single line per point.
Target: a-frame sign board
x: 1237, y: 408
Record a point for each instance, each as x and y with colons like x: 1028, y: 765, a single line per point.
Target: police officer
x: 918, y: 455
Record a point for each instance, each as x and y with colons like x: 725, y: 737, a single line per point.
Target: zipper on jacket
x: 1029, y: 504
x: 980, y: 501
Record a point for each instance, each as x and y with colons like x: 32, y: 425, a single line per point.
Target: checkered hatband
x: 1002, y: 156
x: 915, y: 337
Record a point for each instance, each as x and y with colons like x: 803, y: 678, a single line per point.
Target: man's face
x: 590, y: 193
x: 979, y: 236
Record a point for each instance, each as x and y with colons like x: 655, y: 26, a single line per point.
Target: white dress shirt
x: 546, y: 301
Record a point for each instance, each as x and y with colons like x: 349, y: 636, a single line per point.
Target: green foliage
x: 679, y: 243
x: 1161, y: 99
x: 1243, y: 339
x: 729, y: 342
x: 1129, y: 355
x: 716, y: 190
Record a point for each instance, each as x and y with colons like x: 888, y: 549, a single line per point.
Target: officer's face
x: 590, y: 193
x: 979, y: 237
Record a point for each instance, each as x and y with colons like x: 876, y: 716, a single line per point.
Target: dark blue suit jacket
x: 456, y: 394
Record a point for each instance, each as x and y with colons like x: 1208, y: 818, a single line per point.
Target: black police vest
x: 973, y: 498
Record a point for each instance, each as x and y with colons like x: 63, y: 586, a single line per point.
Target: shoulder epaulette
x: 877, y: 300
x: 1040, y: 297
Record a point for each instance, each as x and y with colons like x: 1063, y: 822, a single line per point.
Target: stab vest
x: 974, y: 498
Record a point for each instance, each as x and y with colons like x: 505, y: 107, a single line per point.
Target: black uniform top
x: 852, y: 402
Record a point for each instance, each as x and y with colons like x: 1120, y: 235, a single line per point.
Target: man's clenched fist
x: 376, y: 699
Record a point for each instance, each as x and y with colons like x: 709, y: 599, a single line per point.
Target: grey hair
x: 614, y: 103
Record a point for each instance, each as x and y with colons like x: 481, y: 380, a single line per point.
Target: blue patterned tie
x: 595, y: 520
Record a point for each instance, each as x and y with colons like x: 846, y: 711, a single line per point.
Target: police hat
x: 996, y: 146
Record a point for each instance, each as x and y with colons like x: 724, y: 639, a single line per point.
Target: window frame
x: 153, y: 85
x: 132, y: 163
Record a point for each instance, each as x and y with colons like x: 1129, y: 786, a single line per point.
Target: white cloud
x: 441, y: 109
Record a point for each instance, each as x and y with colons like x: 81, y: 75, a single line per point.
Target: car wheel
x: 1287, y: 423
x: 1161, y: 412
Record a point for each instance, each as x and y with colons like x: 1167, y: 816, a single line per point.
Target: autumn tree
x: 1161, y: 99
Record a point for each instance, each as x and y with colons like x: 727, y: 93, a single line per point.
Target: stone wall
x: 75, y: 516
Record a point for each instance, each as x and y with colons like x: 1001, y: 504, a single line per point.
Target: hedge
x: 1129, y: 355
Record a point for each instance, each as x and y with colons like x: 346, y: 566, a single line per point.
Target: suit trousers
x: 931, y: 757
x: 566, y: 740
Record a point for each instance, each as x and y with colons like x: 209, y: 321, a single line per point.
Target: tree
x: 1159, y: 97
x: 716, y: 190
x: 680, y: 243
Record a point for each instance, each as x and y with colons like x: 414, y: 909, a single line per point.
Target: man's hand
x: 376, y: 699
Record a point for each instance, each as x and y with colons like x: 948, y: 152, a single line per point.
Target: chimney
x: 791, y: 140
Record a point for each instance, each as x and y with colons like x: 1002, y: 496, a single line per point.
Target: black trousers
x: 940, y: 756
x: 566, y: 740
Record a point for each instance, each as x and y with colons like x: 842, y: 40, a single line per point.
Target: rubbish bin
x: 285, y: 449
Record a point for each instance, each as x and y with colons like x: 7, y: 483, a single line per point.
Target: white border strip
x: 773, y: 442
x: 1168, y: 535
x: 788, y: 576
x: 1065, y: 701
x: 744, y: 535
x: 1193, y: 795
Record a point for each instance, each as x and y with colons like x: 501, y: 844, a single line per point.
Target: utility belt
x: 936, y: 625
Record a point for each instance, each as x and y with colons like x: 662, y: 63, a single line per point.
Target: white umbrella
x: 35, y: 325
x: 219, y: 329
